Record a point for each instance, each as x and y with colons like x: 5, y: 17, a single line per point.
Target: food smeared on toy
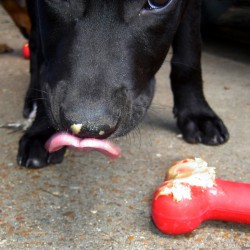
x: 184, y: 174
x: 191, y: 194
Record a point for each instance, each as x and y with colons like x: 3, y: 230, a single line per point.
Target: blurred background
x: 226, y: 24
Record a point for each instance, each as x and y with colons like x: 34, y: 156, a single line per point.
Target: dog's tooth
x: 76, y: 128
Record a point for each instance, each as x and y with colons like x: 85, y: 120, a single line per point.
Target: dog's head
x: 99, y: 60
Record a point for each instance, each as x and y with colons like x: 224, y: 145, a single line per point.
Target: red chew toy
x: 26, y: 51
x: 191, y: 195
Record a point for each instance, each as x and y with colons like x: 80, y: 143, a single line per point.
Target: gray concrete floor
x: 91, y: 202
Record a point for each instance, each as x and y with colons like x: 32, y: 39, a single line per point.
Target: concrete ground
x: 91, y: 202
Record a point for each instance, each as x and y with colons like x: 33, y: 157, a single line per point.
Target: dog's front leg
x: 31, y: 152
x: 33, y: 93
x: 195, y: 118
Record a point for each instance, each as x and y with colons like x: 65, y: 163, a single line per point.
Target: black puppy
x: 93, y: 64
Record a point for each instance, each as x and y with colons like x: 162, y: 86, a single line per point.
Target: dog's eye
x: 156, y: 4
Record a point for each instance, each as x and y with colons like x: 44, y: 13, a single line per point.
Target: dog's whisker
x: 137, y: 135
x: 132, y: 137
x: 128, y: 138
x: 33, y: 100
x: 39, y: 90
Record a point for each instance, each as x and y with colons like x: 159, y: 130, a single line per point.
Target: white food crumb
x: 187, y: 173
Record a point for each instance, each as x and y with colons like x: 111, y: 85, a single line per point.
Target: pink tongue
x: 59, y: 140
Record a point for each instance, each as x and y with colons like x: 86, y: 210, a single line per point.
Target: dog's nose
x: 92, y: 130
x: 88, y: 120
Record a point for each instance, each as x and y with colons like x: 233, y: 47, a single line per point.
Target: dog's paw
x: 32, y: 154
x: 206, y: 129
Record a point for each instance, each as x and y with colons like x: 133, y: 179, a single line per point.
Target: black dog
x: 93, y: 63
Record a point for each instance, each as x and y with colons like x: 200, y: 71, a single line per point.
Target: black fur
x: 93, y: 62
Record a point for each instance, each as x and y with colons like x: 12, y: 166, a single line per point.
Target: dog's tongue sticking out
x: 60, y: 140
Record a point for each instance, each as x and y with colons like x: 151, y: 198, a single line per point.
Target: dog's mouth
x: 62, y: 139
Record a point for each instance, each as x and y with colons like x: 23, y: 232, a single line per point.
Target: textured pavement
x: 91, y: 202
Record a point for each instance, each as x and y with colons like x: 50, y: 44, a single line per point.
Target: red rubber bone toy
x: 26, y: 51
x: 191, y: 194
